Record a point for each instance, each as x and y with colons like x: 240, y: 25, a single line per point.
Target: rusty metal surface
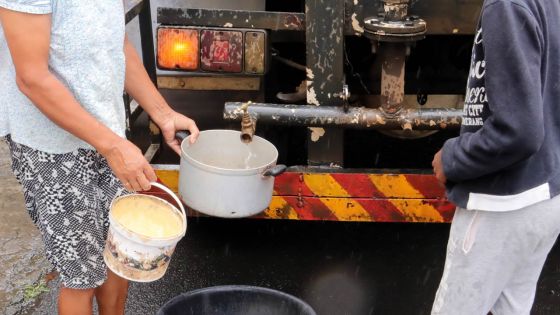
x: 325, y: 49
x: 285, y: 21
x: 393, y: 56
x: 443, y: 17
x: 355, y: 117
x: 207, y: 83
x: 412, y: 29
x: 325, y: 75
x: 255, y: 52
x: 395, y: 10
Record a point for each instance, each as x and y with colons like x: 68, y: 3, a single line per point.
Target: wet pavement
x: 21, y: 250
x: 338, y: 268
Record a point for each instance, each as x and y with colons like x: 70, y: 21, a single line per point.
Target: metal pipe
x: 395, y: 10
x: 393, y: 57
x: 290, y: 63
x: 355, y: 117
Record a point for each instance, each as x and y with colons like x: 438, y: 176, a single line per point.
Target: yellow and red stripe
x: 369, y: 197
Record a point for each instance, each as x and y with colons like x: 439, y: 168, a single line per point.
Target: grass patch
x: 32, y: 291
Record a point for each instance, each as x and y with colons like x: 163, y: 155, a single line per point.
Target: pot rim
x: 112, y: 220
x: 231, y: 171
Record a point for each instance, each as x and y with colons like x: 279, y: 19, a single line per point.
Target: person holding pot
x: 63, y: 68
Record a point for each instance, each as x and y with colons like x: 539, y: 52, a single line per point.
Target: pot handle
x: 168, y: 191
x: 276, y: 170
x: 182, y: 135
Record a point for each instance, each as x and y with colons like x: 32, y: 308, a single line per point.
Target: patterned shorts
x: 68, y: 198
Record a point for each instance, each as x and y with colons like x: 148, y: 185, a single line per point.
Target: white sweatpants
x: 494, y: 259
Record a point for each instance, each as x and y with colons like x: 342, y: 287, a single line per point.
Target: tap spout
x: 248, y: 124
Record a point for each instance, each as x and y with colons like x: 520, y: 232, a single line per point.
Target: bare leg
x: 111, y: 296
x: 75, y: 301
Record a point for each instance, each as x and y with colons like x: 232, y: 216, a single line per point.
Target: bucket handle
x: 168, y: 191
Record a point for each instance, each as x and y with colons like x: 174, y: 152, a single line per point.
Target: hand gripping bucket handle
x: 168, y: 191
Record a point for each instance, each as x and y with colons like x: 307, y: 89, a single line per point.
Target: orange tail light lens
x: 178, y: 48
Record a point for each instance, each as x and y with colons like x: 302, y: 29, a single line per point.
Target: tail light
x: 178, y: 48
x: 222, y: 51
x: 198, y: 49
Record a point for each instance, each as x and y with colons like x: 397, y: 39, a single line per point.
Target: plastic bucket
x: 236, y: 300
x: 138, y: 257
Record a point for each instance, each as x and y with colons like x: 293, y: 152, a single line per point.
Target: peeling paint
x: 312, y: 97
x: 310, y: 75
x: 356, y: 25
x: 228, y: 25
x: 354, y: 117
x: 316, y: 133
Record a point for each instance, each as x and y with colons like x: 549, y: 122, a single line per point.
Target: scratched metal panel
x: 276, y: 21
x: 255, y: 51
x: 325, y: 51
x: 325, y: 75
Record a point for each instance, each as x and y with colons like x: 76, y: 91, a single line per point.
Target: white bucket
x: 137, y: 257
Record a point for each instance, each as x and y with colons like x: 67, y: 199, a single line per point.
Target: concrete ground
x: 21, y: 253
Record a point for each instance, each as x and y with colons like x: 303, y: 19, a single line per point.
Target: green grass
x: 32, y: 291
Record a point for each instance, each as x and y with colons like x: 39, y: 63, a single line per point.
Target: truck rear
x: 357, y: 95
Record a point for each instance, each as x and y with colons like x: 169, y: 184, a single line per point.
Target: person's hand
x: 437, y: 164
x: 129, y: 165
x: 177, y: 122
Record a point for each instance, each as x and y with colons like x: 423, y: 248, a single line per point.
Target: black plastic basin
x: 235, y: 300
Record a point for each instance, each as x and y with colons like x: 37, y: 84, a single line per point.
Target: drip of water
x: 247, y: 160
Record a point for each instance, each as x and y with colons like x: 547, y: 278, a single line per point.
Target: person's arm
x: 140, y: 87
x: 28, y: 38
x: 515, y: 128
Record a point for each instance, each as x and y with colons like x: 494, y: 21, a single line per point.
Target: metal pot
x: 224, y: 177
